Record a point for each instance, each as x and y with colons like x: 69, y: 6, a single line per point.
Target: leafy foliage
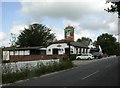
x: 84, y: 39
x: 108, y: 44
x: 95, y: 43
x: 115, y: 7
x: 35, y: 35
x: 9, y: 76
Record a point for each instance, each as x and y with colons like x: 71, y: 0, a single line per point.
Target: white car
x: 85, y: 56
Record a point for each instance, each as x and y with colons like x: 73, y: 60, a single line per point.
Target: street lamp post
x: 69, y: 50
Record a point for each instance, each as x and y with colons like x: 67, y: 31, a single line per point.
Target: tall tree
x: 35, y: 35
x: 107, y: 42
x: 115, y: 6
x: 84, y: 39
x: 94, y: 43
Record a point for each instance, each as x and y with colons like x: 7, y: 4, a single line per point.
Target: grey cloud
x: 100, y: 23
x: 69, y: 10
x: 90, y: 16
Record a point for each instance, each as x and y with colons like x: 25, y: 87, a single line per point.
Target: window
x: 71, y: 51
x: 80, y: 50
x: 43, y: 52
x: 21, y: 52
x: 76, y: 50
x: 27, y: 52
x: 61, y: 50
x: 66, y: 50
x: 49, y: 49
x: 83, y: 50
x: 11, y: 53
x: 16, y: 52
x: 86, y: 50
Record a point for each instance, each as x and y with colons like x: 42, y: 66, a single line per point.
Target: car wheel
x: 78, y: 58
x: 89, y: 58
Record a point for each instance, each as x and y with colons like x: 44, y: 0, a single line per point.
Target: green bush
x: 66, y: 58
x: 6, y: 61
x: 73, y: 57
x: 11, y: 76
x: 39, y: 70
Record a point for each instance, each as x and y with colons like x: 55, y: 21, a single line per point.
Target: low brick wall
x: 61, y: 57
x: 15, y: 58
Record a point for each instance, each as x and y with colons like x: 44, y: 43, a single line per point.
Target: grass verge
x: 9, y: 76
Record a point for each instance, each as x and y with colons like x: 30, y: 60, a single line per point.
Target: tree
x: 35, y: 35
x: 108, y: 43
x: 95, y: 43
x: 115, y: 7
x: 84, y: 39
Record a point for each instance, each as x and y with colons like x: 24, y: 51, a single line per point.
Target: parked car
x: 85, y: 56
x: 97, y: 55
x: 96, y: 52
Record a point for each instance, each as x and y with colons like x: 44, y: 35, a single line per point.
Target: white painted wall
x: 88, y: 50
x: 81, y: 50
x: 52, y: 46
x: 6, y: 55
x: 62, y: 48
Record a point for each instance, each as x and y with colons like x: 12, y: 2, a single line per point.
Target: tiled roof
x: 76, y: 44
x: 23, y: 48
x: 80, y: 44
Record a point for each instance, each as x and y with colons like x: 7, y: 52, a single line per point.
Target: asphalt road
x: 103, y: 72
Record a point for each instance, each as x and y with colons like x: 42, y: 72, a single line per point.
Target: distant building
x: 55, y: 49
x: 24, y: 54
x: 62, y: 47
x: 96, y: 51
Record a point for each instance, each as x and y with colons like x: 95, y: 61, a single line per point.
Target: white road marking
x: 90, y: 75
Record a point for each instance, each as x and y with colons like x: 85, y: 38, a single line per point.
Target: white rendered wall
x: 6, y: 55
x: 61, y: 49
x: 52, y: 46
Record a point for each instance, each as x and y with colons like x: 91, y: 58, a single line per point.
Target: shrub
x: 65, y: 58
x: 10, y: 76
x: 73, y: 57
x: 40, y: 69
x: 6, y: 61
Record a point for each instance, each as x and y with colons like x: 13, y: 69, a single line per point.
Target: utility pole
x: 69, y: 50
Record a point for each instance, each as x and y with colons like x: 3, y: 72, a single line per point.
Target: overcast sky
x: 88, y: 17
